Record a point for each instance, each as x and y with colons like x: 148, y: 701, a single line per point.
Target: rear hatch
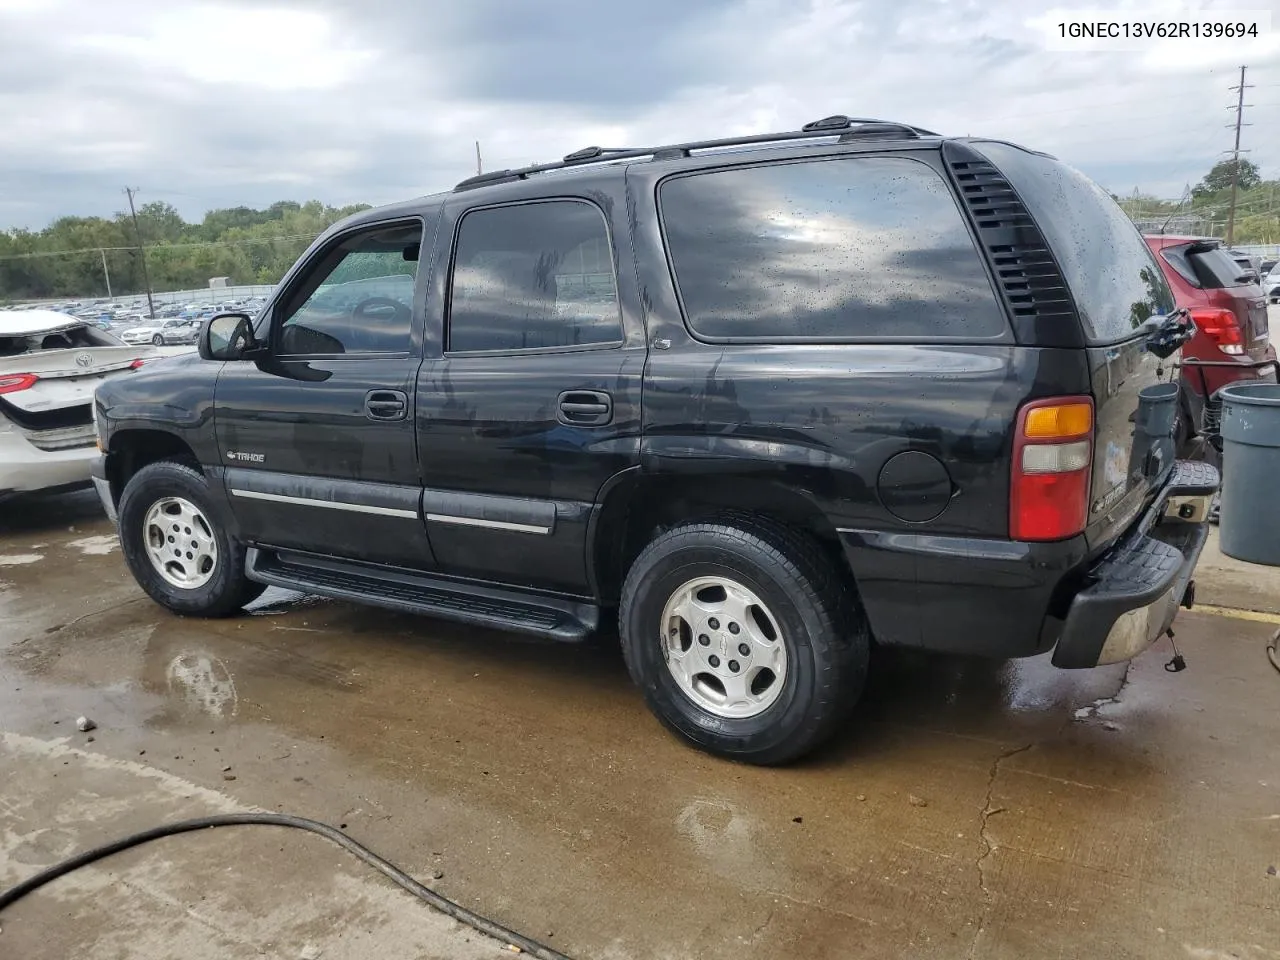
x: 1228, y: 286
x: 47, y: 381
x: 1116, y: 287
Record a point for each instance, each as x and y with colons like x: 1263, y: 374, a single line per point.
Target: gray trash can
x: 1249, y: 525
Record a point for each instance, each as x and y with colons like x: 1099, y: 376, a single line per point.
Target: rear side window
x: 826, y: 250
x: 1116, y: 284
x: 533, y: 276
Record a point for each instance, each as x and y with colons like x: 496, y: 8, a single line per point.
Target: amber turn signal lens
x: 1058, y: 422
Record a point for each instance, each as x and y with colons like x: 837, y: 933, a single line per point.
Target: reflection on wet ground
x: 970, y: 808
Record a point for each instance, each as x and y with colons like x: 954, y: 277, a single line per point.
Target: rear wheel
x: 176, y: 545
x: 745, y: 638
x: 158, y: 340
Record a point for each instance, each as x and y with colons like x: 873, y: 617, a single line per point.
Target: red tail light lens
x: 13, y: 382
x: 1220, y: 326
x: 1052, y: 453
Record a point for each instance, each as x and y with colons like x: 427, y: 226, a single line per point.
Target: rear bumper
x: 25, y: 467
x: 1005, y: 598
x: 1204, y: 378
x: 1131, y: 594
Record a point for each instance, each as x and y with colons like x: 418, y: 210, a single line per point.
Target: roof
x: 837, y: 125
x: 837, y: 128
x: 25, y: 323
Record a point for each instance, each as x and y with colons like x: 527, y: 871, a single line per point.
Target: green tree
x: 1219, y: 178
x: 247, y: 245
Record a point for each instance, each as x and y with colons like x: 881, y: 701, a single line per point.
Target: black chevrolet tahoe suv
x: 768, y: 400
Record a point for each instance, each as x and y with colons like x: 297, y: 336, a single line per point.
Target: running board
x: 413, y: 592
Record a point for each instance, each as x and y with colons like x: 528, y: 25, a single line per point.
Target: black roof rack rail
x: 847, y: 128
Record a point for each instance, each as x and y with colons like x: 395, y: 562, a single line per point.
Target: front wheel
x: 176, y: 545
x: 745, y: 638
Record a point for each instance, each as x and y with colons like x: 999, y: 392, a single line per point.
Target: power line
x: 1235, y: 158
x: 142, y: 252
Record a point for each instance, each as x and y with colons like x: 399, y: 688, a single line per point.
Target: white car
x: 50, y: 365
x: 1271, y: 284
x: 161, y: 332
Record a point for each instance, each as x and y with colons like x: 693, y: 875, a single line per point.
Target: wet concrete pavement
x: 970, y: 809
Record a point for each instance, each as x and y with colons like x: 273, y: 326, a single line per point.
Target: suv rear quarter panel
x: 825, y: 419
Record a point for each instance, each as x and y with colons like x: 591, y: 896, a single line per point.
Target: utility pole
x: 105, y: 272
x: 479, y: 166
x: 1235, y: 158
x: 142, y: 252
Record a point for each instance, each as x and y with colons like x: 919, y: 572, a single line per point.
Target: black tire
x: 826, y: 635
x: 228, y: 589
x: 158, y: 340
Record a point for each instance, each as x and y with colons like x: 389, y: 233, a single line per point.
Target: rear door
x: 1116, y: 286
x: 317, y: 441
x: 533, y: 403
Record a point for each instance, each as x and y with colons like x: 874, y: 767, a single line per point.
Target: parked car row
x: 120, y: 316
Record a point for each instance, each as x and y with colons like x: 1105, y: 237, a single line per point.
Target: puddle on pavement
x: 19, y: 559
x: 96, y: 546
x: 203, y: 683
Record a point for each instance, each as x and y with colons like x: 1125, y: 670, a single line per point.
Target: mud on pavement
x: 970, y: 809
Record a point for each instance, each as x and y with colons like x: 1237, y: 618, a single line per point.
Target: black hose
x: 388, y: 869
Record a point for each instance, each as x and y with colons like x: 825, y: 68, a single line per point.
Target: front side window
x: 826, y: 250
x: 533, y: 276
x: 358, y: 298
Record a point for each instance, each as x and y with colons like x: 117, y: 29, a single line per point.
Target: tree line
x: 249, y: 246
x: 1204, y: 209
x: 257, y: 246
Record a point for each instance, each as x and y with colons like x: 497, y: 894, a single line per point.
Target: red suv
x: 1230, y: 314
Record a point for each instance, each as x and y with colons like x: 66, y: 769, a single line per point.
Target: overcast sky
x: 225, y: 103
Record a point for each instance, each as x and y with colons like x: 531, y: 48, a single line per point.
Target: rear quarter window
x: 1113, y: 278
x: 826, y: 250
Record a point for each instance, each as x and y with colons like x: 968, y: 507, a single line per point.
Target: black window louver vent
x: 1025, y: 269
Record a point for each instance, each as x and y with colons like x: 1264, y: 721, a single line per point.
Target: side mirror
x: 227, y: 336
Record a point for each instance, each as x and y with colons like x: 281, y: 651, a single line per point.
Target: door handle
x: 385, y: 405
x: 584, y: 408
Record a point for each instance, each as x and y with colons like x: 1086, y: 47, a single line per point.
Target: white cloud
x: 274, y: 49
x: 218, y: 104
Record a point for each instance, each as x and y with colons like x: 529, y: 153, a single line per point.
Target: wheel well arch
x: 636, y: 507
x: 133, y: 449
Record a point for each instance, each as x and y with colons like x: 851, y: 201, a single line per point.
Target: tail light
x: 1052, y: 453
x: 13, y: 382
x: 1220, y: 326
x: 137, y: 363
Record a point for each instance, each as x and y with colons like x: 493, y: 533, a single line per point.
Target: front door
x: 534, y: 402
x: 318, y: 440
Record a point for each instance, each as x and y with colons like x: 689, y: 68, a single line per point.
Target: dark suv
x: 770, y: 398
